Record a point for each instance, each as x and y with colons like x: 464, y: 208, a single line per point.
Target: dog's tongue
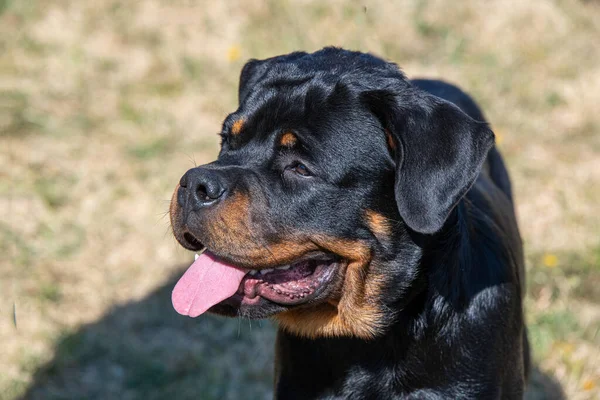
x: 206, y: 282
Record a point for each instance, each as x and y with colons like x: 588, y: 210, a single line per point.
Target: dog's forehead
x: 271, y: 106
x: 341, y: 141
x: 319, y: 115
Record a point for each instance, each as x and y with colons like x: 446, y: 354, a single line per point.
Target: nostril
x: 208, y: 191
x: 202, y: 186
x: 202, y: 193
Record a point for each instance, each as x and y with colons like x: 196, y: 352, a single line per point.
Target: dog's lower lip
x: 192, y: 242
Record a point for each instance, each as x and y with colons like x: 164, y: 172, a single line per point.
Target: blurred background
x: 104, y: 104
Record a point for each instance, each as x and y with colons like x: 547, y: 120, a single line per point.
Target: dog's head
x: 330, y: 166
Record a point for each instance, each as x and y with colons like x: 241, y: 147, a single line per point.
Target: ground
x: 104, y: 105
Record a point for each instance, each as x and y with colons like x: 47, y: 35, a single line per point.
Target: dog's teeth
x: 266, y: 270
x: 196, y: 257
x: 253, y: 272
x: 285, y: 267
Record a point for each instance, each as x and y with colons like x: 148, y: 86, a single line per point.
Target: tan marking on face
x: 390, y: 140
x: 229, y: 228
x: 231, y: 232
x: 288, y: 140
x: 354, y: 311
x: 378, y: 224
x: 237, y: 127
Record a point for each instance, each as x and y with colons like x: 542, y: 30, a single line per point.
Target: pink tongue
x: 206, y: 282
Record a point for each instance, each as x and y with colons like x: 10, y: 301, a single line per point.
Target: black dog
x: 372, y: 217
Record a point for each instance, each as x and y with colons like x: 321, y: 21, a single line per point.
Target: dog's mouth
x: 210, y: 281
x: 289, y: 284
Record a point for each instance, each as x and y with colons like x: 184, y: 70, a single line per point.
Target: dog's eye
x: 300, y: 169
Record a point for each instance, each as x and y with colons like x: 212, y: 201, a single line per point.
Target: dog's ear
x: 439, y: 151
x: 252, y: 71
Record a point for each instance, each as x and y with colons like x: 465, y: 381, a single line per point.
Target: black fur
x: 453, y: 326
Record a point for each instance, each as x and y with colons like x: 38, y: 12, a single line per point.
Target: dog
x: 372, y: 217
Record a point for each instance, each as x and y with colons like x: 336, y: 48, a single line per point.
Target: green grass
x: 50, y: 292
x: 152, y: 148
x: 18, y: 117
x: 223, y: 358
x: 547, y: 328
x: 53, y: 190
x: 575, y: 275
x: 14, y: 246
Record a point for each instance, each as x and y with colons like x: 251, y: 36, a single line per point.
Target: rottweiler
x: 372, y: 217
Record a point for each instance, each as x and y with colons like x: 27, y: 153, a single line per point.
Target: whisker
x: 191, y: 158
x: 167, y: 231
x: 163, y: 214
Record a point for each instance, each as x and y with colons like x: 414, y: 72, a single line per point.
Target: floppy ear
x: 440, y: 151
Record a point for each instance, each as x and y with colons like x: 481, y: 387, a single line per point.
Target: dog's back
x: 494, y: 165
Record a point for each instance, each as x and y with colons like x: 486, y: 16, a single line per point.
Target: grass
x: 162, y: 355
x: 103, y: 105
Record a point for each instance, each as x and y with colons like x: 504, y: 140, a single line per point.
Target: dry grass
x: 104, y: 104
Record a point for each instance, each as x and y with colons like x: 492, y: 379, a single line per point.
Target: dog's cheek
x: 233, y: 231
x: 228, y: 230
x: 353, y: 311
x: 379, y: 225
x: 281, y: 253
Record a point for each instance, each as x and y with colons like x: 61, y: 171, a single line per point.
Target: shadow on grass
x: 144, y: 350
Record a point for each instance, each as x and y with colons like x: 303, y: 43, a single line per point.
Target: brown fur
x: 352, y: 312
x: 230, y: 231
x: 229, y: 228
x: 378, y: 224
x: 288, y: 140
x: 237, y: 127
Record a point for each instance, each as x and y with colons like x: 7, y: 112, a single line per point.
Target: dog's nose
x: 204, y: 187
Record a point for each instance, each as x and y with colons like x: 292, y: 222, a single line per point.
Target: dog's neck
x: 312, y: 366
x: 441, y: 292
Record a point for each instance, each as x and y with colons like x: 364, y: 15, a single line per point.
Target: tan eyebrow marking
x: 288, y: 139
x: 237, y: 126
